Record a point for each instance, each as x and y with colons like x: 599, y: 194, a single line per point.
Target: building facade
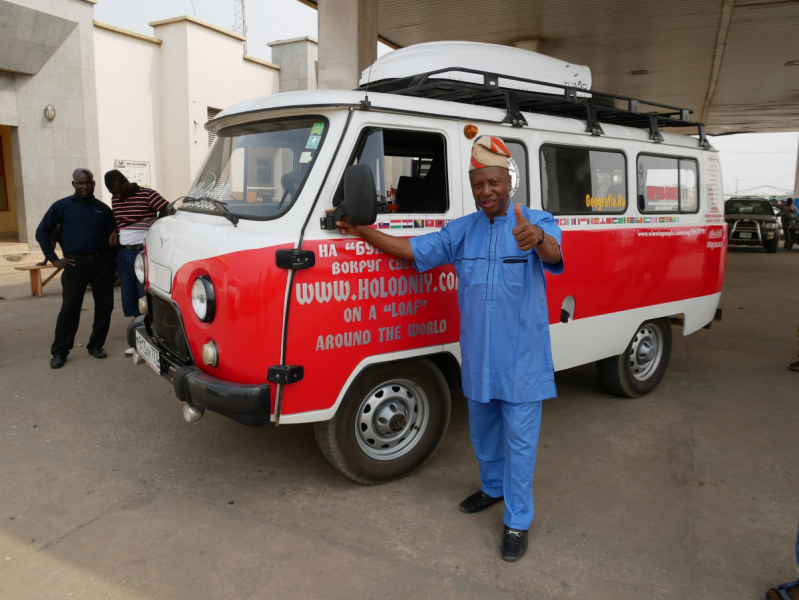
x: 155, y: 94
x: 46, y: 60
x: 78, y: 93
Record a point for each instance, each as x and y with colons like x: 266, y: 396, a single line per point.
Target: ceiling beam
x: 721, y: 42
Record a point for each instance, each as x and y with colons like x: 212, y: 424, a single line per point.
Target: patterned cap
x: 489, y: 151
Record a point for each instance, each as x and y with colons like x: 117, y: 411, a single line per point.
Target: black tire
x: 617, y: 372
x: 771, y: 247
x: 417, y: 432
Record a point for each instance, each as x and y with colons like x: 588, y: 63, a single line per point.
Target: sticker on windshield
x: 317, y: 128
x: 313, y: 142
x: 305, y: 157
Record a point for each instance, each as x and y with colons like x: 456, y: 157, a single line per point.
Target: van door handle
x: 295, y: 259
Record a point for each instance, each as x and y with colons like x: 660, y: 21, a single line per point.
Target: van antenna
x: 365, y: 104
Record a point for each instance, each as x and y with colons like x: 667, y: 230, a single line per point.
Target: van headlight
x: 770, y: 226
x: 138, y: 267
x: 203, y: 299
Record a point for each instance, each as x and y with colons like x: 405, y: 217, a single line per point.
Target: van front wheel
x: 640, y: 368
x: 390, y: 422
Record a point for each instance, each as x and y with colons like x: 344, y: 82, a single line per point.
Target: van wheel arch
x: 616, y: 373
x: 390, y: 422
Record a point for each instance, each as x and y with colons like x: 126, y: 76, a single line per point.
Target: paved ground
x: 692, y: 492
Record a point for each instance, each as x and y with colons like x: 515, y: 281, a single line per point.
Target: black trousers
x: 99, y: 271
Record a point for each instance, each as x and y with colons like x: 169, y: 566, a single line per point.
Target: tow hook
x: 192, y: 413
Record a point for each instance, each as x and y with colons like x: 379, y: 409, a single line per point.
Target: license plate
x: 745, y: 236
x: 148, y: 352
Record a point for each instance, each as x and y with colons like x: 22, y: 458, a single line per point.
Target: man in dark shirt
x: 86, y: 224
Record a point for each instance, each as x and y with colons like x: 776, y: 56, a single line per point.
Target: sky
x: 748, y: 160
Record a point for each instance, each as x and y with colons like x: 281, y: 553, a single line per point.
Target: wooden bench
x: 37, y: 284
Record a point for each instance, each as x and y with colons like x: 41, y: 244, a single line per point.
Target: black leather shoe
x: 57, y: 361
x: 514, y: 543
x: 97, y: 352
x: 477, y: 502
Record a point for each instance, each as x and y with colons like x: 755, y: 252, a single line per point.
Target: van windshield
x: 257, y: 171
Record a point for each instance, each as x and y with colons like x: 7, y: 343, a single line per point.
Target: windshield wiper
x: 218, y: 204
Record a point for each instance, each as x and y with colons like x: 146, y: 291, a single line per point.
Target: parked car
x: 752, y: 222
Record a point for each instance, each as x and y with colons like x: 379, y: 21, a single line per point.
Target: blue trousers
x: 132, y: 290
x: 505, y: 440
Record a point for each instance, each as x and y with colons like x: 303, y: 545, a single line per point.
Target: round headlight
x: 138, y: 267
x: 203, y: 300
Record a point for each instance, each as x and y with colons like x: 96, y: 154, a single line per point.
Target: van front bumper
x: 247, y: 404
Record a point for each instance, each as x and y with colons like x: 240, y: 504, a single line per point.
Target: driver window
x: 416, y: 172
x: 410, y: 169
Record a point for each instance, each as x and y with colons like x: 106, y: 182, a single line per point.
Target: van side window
x: 518, y: 172
x: 667, y: 184
x: 410, y: 169
x: 582, y: 181
x: 416, y: 171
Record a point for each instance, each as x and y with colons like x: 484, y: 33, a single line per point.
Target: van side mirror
x: 360, y: 199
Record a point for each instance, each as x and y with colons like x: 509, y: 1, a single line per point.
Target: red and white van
x: 258, y: 309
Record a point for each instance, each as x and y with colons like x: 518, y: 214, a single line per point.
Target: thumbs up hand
x: 527, y: 235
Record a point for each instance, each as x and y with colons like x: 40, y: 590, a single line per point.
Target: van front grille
x: 168, y: 327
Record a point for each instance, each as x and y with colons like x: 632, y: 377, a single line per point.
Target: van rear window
x: 581, y: 180
x: 667, y: 185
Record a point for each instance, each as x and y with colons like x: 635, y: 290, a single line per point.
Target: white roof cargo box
x: 486, y: 58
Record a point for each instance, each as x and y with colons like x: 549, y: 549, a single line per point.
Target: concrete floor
x: 691, y: 492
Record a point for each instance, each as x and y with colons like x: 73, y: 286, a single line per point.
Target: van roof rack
x: 564, y: 101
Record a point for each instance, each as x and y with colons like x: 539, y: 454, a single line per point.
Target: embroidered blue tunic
x: 505, y: 347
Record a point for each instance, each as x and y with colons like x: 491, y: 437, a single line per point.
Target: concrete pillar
x: 298, y: 59
x: 796, y: 181
x: 347, y: 41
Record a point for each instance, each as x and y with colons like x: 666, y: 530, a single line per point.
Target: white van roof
x: 466, y: 80
x: 486, y: 58
x: 321, y: 100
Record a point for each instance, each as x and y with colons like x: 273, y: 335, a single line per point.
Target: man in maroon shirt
x: 135, y: 210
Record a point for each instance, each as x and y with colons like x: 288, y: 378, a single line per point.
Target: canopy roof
x: 727, y: 60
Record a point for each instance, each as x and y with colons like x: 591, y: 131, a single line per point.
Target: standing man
x: 789, y: 212
x: 500, y: 254
x: 135, y: 210
x: 85, y: 224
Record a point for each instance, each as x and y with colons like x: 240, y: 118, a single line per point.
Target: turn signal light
x: 210, y: 354
x: 470, y: 131
x: 143, y: 305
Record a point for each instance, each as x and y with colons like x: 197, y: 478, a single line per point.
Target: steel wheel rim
x: 391, y: 419
x: 646, y: 351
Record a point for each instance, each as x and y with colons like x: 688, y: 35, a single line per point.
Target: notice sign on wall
x: 137, y: 171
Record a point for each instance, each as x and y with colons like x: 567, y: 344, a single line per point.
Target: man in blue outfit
x: 86, y: 223
x: 500, y: 255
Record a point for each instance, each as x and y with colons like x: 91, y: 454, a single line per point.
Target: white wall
x: 128, y: 99
x: 219, y: 77
x: 153, y: 99
x: 174, y: 136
